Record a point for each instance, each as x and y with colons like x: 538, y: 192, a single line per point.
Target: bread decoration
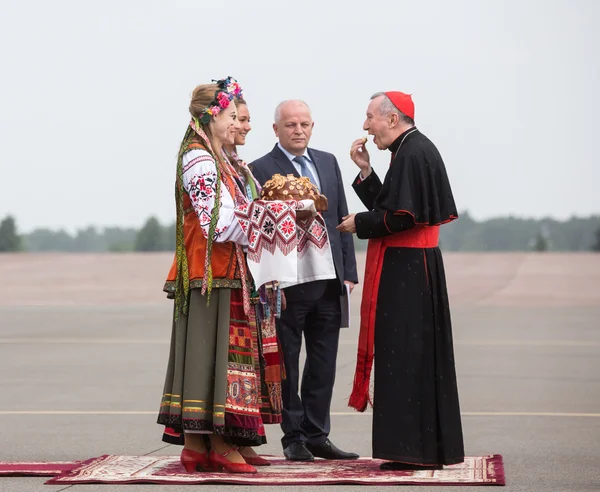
x: 292, y: 188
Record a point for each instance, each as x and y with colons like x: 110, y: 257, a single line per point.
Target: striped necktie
x: 304, y: 171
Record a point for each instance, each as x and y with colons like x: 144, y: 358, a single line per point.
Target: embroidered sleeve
x: 200, y: 182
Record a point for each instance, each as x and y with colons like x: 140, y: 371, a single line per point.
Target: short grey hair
x: 387, y: 107
x: 277, y: 115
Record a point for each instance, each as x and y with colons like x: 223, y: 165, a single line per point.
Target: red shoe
x: 194, y: 461
x: 256, y: 461
x: 220, y: 463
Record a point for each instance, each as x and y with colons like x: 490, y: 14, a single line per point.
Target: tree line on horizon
x: 465, y: 234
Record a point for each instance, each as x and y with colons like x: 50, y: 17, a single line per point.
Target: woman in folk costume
x: 266, y: 303
x: 268, y: 361
x: 212, y: 387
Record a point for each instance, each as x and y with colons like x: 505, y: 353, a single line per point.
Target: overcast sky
x: 94, y: 95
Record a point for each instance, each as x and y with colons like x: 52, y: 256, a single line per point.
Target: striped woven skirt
x: 213, y: 382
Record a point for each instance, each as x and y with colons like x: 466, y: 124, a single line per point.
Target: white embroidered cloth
x: 283, y: 249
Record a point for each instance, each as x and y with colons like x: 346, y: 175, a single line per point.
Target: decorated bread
x: 292, y: 188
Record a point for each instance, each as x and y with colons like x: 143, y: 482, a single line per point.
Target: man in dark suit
x: 314, y: 308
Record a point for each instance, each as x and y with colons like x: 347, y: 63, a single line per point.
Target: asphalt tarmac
x: 84, y: 345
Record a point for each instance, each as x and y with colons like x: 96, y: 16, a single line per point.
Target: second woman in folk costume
x: 212, y: 386
x: 269, y: 351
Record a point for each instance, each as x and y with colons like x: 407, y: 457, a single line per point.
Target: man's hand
x: 360, y: 155
x: 347, y: 224
x: 350, y: 284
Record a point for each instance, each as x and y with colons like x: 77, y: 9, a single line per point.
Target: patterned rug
x: 35, y: 468
x: 481, y: 470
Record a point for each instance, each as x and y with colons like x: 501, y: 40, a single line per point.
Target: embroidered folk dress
x: 267, y: 351
x: 212, y: 384
x: 269, y: 357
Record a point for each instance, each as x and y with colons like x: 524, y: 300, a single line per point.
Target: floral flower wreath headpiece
x: 228, y: 89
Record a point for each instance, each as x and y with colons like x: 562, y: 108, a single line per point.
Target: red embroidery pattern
x: 242, y: 388
x: 203, y: 157
x: 272, y: 225
x: 268, y: 225
x: 243, y: 381
x: 311, y: 232
x: 203, y: 186
x: 202, y: 192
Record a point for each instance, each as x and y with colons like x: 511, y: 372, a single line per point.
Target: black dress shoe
x: 397, y: 466
x: 330, y: 451
x: 296, y: 451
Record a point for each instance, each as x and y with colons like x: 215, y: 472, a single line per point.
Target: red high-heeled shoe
x: 194, y: 461
x: 256, y: 461
x: 220, y: 462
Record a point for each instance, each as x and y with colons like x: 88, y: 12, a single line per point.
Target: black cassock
x: 416, y: 415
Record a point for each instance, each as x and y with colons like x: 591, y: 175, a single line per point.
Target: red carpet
x: 35, y: 469
x: 482, y: 470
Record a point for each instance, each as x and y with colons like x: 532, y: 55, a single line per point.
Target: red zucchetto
x: 403, y: 102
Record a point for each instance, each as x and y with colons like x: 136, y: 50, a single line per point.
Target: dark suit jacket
x: 330, y: 177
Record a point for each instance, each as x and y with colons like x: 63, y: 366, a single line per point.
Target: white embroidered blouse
x: 200, y: 182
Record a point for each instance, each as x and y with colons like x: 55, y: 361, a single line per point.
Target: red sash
x: 417, y: 237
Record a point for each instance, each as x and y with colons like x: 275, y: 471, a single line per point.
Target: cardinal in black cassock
x: 405, y: 326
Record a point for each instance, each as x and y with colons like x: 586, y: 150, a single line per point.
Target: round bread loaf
x: 292, y: 188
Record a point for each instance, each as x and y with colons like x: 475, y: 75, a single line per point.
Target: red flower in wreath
x: 223, y: 100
